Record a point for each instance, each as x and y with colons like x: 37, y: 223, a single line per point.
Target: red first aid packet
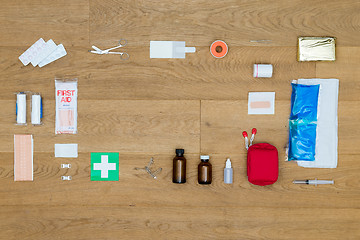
x: 262, y: 164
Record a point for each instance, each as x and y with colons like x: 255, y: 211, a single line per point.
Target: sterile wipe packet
x: 66, y: 106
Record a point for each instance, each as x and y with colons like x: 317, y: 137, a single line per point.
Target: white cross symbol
x: 104, y: 166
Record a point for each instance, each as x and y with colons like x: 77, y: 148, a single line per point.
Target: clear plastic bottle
x: 228, y: 172
x: 204, y: 170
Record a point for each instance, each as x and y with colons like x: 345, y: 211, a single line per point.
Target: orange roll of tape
x: 218, y: 49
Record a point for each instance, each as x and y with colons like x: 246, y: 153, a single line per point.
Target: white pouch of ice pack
x: 66, y: 106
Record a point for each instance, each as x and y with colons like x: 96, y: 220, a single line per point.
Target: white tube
x: 36, y: 109
x: 263, y: 70
x: 21, y: 108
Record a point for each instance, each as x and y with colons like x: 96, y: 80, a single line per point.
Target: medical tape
x: 218, y: 49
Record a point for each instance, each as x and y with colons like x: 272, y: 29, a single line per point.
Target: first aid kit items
x: 21, y: 108
x: 326, y: 144
x: 262, y: 163
x: 303, y: 121
x: 219, y: 49
x: 228, y: 172
x: 263, y: 71
x: 36, y: 108
x: 169, y: 49
x: 179, y: 167
x: 204, y: 170
x: 122, y: 43
x: 23, y: 158
x: 261, y: 103
x: 66, y: 150
x: 42, y: 53
x: 316, y: 49
x: 66, y: 106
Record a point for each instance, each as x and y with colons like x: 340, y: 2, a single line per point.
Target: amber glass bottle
x: 204, y: 170
x: 179, y: 167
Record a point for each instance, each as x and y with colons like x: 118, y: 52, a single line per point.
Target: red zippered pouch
x: 262, y: 162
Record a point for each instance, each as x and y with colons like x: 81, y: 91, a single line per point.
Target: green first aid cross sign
x: 104, y: 166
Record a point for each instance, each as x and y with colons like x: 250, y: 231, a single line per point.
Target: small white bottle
x: 228, y: 172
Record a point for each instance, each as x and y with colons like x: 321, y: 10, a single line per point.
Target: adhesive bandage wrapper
x: 66, y: 107
x: 36, y: 109
x: 21, y: 108
x: 261, y: 103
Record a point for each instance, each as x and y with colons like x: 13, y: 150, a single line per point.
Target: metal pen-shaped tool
x: 313, y: 182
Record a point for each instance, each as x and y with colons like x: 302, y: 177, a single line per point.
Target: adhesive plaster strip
x: 23, y: 158
x: 261, y: 103
x: 66, y: 150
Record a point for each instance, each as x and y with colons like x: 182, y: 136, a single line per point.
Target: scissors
x: 122, y: 43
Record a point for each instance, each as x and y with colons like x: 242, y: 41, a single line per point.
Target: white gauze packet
x: 66, y: 107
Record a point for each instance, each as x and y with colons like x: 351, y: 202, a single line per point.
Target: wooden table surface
x: 146, y: 108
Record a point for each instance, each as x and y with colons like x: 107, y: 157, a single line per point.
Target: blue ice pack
x: 303, y: 122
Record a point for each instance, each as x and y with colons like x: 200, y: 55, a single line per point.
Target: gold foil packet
x: 316, y: 49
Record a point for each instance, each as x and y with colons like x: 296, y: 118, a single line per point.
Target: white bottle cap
x: 204, y: 157
x: 228, y: 163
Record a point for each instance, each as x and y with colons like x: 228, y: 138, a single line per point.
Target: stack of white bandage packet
x: 42, y: 53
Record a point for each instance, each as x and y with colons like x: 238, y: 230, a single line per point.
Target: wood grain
x: 64, y: 21
x: 146, y: 108
x: 346, y: 68
x: 65, y: 222
x: 199, y: 23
